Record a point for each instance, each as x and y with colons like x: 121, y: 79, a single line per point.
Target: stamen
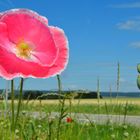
x: 23, y: 50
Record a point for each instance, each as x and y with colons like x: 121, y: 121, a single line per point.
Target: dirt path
x: 90, y: 118
x: 96, y: 118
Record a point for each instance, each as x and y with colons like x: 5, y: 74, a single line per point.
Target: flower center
x: 23, y: 50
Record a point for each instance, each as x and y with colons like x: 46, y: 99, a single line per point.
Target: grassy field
x: 44, y: 129
x: 121, y: 100
x: 120, y: 106
x: 135, y: 101
x: 58, y: 128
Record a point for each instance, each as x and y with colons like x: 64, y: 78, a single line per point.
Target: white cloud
x: 135, y: 44
x: 129, y: 25
x: 127, y: 5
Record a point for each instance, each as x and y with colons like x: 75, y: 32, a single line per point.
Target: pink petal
x: 61, y: 42
x: 4, y: 42
x: 3, y: 32
x: 32, y: 30
x: 32, y: 13
x: 43, y: 19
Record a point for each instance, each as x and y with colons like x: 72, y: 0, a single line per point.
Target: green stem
x: 98, y: 90
x: 12, y: 107
x: 98, y: 94
x: 62, y: 104
x: 20, y: 98
x: 59, y: 84
x: 59, y: 88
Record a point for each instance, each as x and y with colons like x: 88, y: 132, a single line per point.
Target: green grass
x: 95, y: 109
x: 102, y: 108
x: 42, y: 129
x: 47, y: 128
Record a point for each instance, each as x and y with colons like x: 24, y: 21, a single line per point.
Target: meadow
x: 66, y: 127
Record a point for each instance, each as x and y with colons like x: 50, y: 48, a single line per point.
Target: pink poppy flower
x: 29, y: 47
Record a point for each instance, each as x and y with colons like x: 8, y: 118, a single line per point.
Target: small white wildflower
x: 125, y: 126
x: 5, y: 126
x: 39, y: 126
x: 113, y: 136
x: 17, y: 137
x: 2, y: 123
x: 23, y: 112
x: 30, y: 121
x: 16, y: 131
x: 126, y: 134
x: 87, y: 124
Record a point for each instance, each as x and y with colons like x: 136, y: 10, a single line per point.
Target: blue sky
x: 100, y: 34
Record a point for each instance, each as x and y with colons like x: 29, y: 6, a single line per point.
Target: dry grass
x: 135, y: 101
